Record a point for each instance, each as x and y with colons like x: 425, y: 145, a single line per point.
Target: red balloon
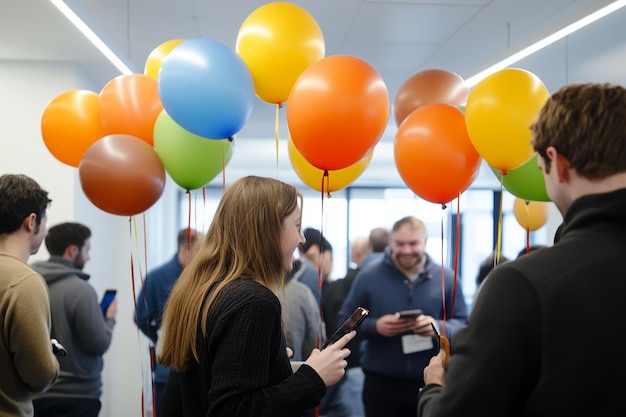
x: 428, y: 87
x: 434, y: 154
x: 337, y: 111
x: 122, y: 174
x: 130, y: 104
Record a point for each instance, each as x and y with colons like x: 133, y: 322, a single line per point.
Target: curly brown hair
x: 586, y: 123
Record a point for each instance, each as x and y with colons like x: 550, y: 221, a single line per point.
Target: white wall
x: 26, y: 88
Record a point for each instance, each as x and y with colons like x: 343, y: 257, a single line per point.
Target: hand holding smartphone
x: 410, y: 314
x: 350, y: 324
x: 444, y: 344
x: 107, y: 299
x: 58, y: 348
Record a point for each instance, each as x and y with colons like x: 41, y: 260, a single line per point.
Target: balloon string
x: 196, y: 212
x: 145, y: 242
x: 527, y: 226
x: 204, y: 205
x: 134, y: 221
x: 223, y: 170
x: 141, y: 275
x: 456, y: 251
x: 321, y: 263
x: 278, y: 106
x: 131, y: 224
x: 497, y: 254
x: 443, y: 281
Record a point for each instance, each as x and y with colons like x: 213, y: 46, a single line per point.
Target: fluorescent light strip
x: 548, y: 40
x: 91, y: 36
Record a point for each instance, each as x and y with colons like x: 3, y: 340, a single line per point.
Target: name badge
x: 412, y: 343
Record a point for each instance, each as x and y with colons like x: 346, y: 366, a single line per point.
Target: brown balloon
x: 427, y: 87
x: 121, y: 174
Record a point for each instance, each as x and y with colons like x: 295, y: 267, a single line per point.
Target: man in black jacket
x: 544, y: 337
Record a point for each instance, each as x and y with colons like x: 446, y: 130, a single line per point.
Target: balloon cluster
x: 181, y: 114
x: 444, y: 130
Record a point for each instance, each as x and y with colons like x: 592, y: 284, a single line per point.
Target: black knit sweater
x: 244, y: 370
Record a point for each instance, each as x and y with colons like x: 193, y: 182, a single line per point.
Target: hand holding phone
x: 443, y: 343
x: 410, y: 314
x: 57, y: 348
x: 107, y: 299
x: 350, y: 324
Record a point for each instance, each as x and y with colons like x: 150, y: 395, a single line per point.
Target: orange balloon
x: 434, y: 154
x: 313, y: 177
x: 531, y: 215
x: 426, y: 87
x: 130, y: 104
x: 122, y: 174
x: 155, y: 59
x: 337, y: 111
x: 69, y: 125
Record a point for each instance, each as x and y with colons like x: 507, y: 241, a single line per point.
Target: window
x: 353, y: 212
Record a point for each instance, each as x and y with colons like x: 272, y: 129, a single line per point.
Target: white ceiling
x: 397, y: 37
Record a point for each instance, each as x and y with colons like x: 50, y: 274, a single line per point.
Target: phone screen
x: 107, y: 299
x: 350, y: 324
x: 410, y: 314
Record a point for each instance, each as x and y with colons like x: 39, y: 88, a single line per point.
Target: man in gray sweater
x: 77, y: 322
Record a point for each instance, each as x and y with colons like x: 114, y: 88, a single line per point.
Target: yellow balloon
x: 531, y: 215
x: 498, y: 115
x: 313, y: 176
x: 155, y: 59
x: 278, y: 41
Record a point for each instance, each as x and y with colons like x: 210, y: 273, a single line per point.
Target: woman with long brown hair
x: 224, y: 338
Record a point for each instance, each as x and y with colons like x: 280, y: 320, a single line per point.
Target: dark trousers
x: 158, y: 393
x: 67, y: 407
x: 387, y: 397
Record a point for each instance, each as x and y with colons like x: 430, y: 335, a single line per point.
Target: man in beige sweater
x: 26, y: 356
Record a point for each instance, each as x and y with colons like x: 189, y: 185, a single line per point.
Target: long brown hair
x: 243, y: 242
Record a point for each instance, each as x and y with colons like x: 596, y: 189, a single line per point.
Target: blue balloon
x: 206, y: 88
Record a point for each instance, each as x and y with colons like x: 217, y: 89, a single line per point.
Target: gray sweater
x: 78, y: 324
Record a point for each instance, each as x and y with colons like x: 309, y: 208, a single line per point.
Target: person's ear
x: 30, y: 222
x: 71, y: 252
x: 559, y: 163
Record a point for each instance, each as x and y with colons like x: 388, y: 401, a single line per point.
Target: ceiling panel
x: 408, y: 23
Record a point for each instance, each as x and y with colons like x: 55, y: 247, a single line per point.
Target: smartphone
x: 437, y: 334
x: 410, y: 314
x: 58, y: 348
x: 107, y: 299
x: 442, y: 344
x: 350, y: 324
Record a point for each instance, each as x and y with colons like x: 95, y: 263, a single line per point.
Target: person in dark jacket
x: 78, y: 324
x: 151, y: 302
x: 397, y: 349
x: 545, y: 336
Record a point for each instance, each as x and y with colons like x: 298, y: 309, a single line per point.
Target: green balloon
x: 192, y: 161
x: 526, y: 182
